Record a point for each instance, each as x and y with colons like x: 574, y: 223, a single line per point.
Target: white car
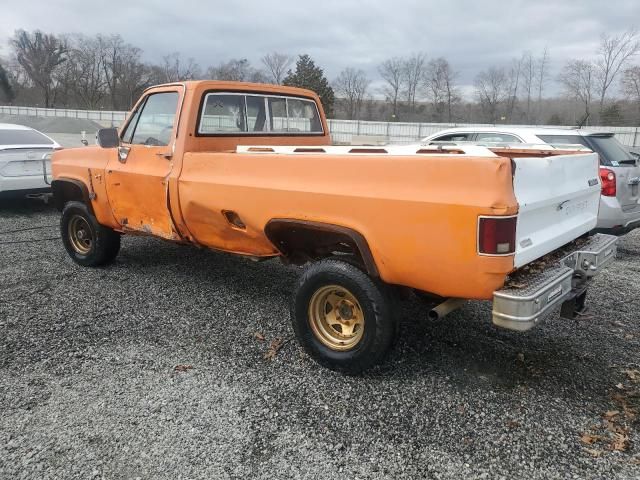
x: 619, y: 168
x: 24, y: 155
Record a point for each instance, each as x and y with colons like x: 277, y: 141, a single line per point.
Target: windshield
x: 23, y: 137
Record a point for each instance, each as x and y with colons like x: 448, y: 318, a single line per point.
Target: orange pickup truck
x: 249, y: 169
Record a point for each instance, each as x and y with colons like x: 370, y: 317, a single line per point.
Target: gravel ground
x: 151, y: 368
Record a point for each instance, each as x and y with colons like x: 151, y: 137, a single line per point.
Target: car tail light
x: 608, y: 179
x: 497, y: 235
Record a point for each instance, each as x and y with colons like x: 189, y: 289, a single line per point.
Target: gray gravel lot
x: 89, y: 386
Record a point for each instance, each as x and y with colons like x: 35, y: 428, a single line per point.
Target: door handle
x: 123, y: 153
x: 165, y: 155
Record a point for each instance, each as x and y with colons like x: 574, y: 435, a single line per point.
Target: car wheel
x: 87, y: 242
x: 342, y: 317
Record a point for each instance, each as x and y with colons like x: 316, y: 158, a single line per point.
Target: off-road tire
x: 104, y: 245
x: 380, y: 327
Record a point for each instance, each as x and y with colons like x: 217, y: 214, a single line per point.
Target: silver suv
x: 619, y: 168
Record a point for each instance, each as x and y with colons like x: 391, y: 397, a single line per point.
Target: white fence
x: 342, y: 131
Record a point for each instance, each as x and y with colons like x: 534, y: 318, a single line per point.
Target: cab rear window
x: 229, y: 113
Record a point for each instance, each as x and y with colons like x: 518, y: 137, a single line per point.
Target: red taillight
x: 497, y: 235
x: 608, y: 179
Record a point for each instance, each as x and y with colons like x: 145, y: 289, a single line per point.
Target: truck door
x: 137, y: 175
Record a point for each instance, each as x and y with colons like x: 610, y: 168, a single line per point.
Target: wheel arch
x: 69, y: 189
x: 300, y: 241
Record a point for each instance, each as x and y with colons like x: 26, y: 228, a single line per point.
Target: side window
x: 453, y: 137
x: 563, y: 139
x: 127, y: 134
x: 497, y: 137
x: 154, y: 123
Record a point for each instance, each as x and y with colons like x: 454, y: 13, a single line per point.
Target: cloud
x: 471, y: 34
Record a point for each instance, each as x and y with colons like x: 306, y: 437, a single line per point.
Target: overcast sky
x: 471, y: 34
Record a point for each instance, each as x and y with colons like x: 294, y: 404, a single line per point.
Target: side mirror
x: 108, y: 137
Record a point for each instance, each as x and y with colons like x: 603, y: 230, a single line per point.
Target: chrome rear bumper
x: 520, y: 307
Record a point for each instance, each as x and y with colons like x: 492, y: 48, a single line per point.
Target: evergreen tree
x: 5, y: 85
x: 308, y: 75
x: 611, y: 115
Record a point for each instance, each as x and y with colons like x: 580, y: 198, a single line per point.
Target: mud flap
x: 575, y: 305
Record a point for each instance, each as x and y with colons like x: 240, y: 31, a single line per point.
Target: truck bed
x: 417, y: 208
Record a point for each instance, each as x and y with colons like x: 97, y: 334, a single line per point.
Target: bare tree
x: 631, y: 86
x: 491, y: 89
x: 277, y: 65
x: 542, y: 74
x: 391, y: 71
x: 352, y: 85
x: 578, y: 79
x: 87, y: 69
x: 40, y: 54
x: 439, y: 82
x: 513, y: 77
x: 236, y: 70
x: 528, y: 77
x: 413, y: 73
x: 116, y: 55
x: 613, y: 53
x: 176, y: 69
x: 134, y: 78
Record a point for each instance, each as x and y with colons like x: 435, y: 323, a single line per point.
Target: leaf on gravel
x: 276, y: 345
x: 633, y: 375
x: 521, y: 357
x: 258, y: 336
x: 620, y: 442
x: 512, y: 424
x: 623, y: 402
x: 593, y: 452
x: 183, y: 368
x: 611, y: 414
x: 635, y: 461
x: 628, y: 336
x: 620, y: 386
x: 589, y: 438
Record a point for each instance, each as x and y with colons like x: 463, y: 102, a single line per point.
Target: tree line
x: 104, y: 71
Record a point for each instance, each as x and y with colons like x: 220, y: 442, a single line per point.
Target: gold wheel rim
x: 336, y: 317
x: 80, y: 234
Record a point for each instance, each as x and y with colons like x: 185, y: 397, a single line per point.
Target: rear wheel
x: 87, y: 242
x: 342, y: 317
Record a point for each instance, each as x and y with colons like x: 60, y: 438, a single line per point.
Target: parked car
x: 249, y: 169
x: 24, y: 154
x: 619, y: 168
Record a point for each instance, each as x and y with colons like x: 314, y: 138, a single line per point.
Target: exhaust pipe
x: 445, y: 308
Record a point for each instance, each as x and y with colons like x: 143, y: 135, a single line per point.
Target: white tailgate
x: 558, y: 201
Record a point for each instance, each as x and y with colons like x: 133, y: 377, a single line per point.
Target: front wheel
x: 87, y: 242
x: 342, y: 317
